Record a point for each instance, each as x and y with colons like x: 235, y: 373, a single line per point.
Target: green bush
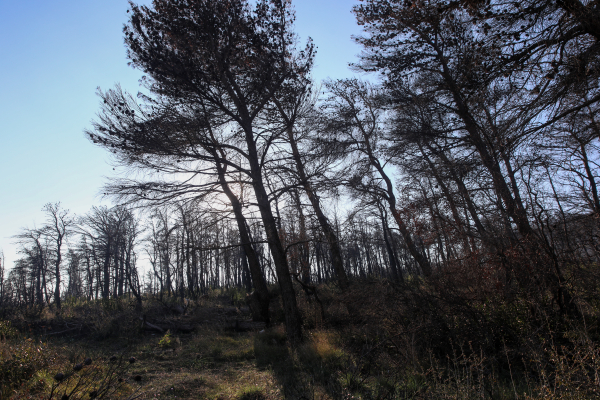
x: 20, y: 361
x: 7, y: 331
x: 237, y: 296
x: 167, y: 341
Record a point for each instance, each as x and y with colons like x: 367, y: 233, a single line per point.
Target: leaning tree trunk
x: 258, y: 278
x: 332, y: 240
x: 293, y: 320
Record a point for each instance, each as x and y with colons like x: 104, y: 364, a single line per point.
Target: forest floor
x: 213, y: 351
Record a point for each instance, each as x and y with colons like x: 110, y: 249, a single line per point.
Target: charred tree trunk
x: 330, y: 236
x: 293, y: 320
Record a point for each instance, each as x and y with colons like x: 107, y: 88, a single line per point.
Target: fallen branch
x: 151, y: 326
x: 68, y: 330
x: 247, y: 326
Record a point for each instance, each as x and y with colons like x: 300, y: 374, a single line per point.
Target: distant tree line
x: 475, y: 157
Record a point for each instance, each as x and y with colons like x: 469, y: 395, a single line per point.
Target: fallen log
x: 163, y: 327
x: 148, y: 326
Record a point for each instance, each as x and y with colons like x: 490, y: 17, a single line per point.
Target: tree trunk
x: 330, y: 236
x: 293, y: 320
x: 258, y: 279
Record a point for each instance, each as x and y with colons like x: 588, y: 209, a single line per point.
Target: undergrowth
x: 399, y: 341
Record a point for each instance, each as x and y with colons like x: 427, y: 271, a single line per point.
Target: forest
x: 428, y: 230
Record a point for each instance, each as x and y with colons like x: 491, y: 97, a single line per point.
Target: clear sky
x: 53, y: 56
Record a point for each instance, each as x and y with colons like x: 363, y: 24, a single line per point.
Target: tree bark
x: 330, y: 236
x: 258, y: 279
x: 293, y: 320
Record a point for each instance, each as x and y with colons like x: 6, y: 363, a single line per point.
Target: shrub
x: 7, y: 331
x: 167, y: 341
x: 107, y: 379
x: 251, y: 394
x: 20, y: 361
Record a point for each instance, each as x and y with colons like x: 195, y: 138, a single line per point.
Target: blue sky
x: 53, y: 56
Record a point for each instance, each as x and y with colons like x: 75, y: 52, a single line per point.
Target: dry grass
x: 402, y: 343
